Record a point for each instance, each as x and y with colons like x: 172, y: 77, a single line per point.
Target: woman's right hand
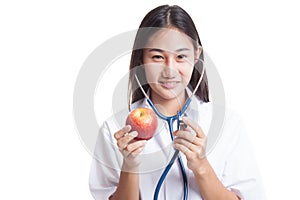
x: 130, y: 148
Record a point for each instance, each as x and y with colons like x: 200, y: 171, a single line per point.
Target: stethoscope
x: 180, y: 124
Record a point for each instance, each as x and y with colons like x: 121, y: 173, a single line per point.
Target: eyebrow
x: 160, y: 50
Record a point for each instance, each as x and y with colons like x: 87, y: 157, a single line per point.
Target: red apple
x: 143, y: 121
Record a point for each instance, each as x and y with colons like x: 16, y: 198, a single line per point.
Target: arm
x: 209, y: 184
x: 193, y: 147
x: 128, y: 186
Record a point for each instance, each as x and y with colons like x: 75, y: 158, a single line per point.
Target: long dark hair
x: 165, y: 17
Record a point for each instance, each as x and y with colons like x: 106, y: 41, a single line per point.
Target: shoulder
x: 213, y: 110
x: 219, y: 115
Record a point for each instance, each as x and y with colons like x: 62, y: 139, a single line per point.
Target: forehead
x: 169, y: 40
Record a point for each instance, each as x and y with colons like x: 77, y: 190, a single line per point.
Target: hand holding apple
x: 143, y: 121
x: 129, y: 148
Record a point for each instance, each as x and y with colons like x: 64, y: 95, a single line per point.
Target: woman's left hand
x: 192, y: 143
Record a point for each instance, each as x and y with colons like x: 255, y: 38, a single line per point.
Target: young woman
x: 167, y: 56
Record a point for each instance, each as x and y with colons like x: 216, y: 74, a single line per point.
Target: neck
x: 168, y: 107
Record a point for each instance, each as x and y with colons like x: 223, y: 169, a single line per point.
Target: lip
x: 169, y: 84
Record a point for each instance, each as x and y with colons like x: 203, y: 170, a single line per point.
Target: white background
x: 254, y: 44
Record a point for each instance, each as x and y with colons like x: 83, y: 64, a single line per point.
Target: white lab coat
x: 231, y: 158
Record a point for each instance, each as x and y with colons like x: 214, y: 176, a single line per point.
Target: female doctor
x: 170, y: 55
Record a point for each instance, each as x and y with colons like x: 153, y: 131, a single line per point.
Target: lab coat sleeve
x: 241, y: 175
x: 105, y: 168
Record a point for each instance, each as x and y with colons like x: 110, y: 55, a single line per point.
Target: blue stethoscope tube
x: 170, y: 121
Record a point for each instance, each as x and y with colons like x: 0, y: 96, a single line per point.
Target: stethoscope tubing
x: 170, y: 121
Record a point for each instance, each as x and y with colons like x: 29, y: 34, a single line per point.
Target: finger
x: 137, y: 151
x: 187, y: 135
x: 194, y: 126
x: 132, y: 147
x: 189, y: 129
x: 195, y: 141
x: 182, y: 148
x: 189, y: 145
x: 190, y: 150
x: 120, y: 133
x: 124, y: 141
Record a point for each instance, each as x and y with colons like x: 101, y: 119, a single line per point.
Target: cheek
x: 152, y: 73
x: 187, y: 74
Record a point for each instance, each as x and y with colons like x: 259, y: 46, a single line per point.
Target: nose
x: 169, y: 70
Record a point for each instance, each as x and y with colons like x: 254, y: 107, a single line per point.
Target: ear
x: 197, y: 53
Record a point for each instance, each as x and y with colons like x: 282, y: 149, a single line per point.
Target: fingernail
x: 174, y: 133
x: 128, y: 127
x: 133, y: 133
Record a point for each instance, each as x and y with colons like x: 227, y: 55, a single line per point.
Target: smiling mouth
x: 169, y: 84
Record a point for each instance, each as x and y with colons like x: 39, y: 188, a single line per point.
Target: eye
x: 157, y: 57
x: 181, y: 57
